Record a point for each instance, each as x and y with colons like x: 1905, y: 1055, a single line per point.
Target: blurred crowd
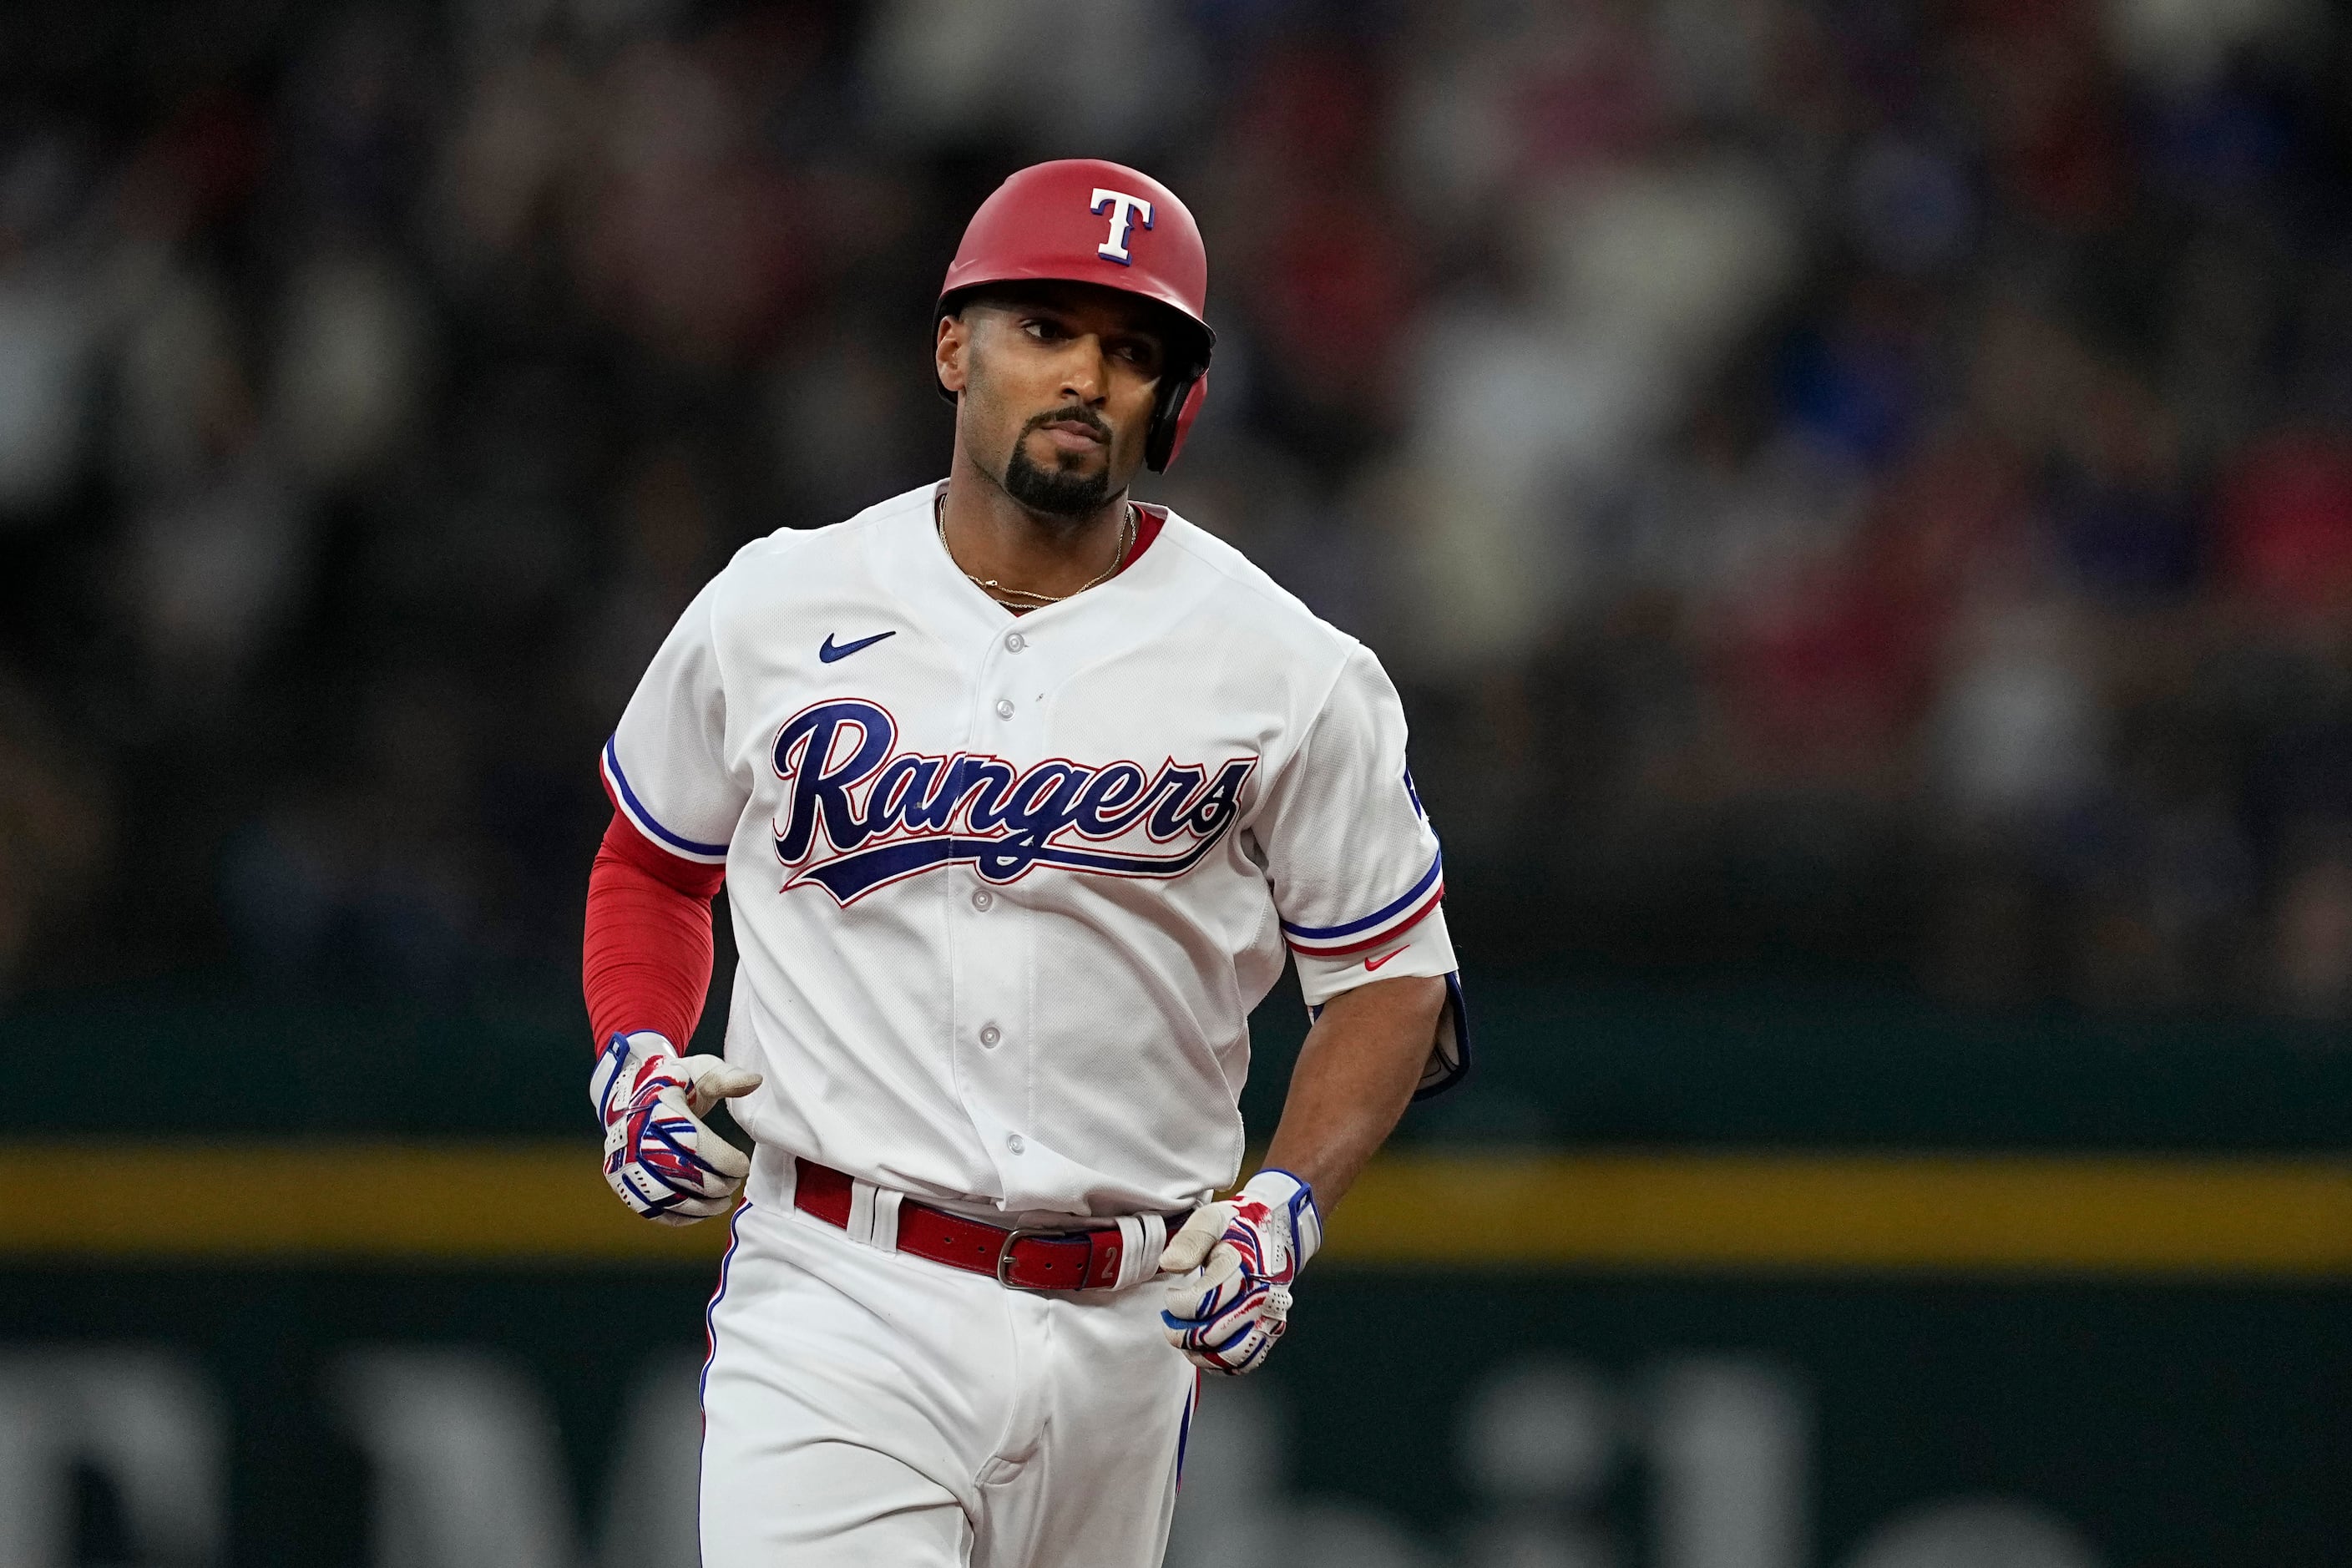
x: 1834, y: 479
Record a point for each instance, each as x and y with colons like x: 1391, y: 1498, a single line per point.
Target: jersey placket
x: 993, y: 933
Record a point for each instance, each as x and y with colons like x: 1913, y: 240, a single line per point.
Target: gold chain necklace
x: 998, y: 592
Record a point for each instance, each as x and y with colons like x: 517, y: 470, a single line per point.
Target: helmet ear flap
x: 1171, y: 419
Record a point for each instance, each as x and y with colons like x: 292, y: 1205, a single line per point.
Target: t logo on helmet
x: 1124, y: 210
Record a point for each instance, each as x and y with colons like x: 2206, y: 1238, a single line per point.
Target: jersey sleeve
x: 1358, y: 878
x: 665, y: 764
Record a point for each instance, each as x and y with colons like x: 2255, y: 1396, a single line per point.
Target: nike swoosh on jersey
x: 1375, y: 963
x: 829, y: 653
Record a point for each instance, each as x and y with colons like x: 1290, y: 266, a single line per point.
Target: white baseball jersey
x: 1006, y: 889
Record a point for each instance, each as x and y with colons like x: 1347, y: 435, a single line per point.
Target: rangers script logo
x: 857, y: 816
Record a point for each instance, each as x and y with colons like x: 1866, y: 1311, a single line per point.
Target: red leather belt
x: 1021, y: 1259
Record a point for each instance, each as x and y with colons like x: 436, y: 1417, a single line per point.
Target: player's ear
x: 948, y: 354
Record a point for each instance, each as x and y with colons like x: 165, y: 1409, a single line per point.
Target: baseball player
x: 1020, y: 791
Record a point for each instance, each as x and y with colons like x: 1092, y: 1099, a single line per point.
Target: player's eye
x: 1043, y: 331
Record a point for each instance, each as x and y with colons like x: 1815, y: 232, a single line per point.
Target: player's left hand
x: 666, y: 1162
x: 1248, y: 1250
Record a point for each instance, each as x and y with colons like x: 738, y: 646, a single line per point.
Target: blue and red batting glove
x: 1237, y: 1261
x: 665, y: 1163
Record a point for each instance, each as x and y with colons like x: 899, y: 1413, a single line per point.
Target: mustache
x: 1076, y: 414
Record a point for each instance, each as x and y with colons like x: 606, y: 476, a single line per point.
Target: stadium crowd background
x: 1850, y: 484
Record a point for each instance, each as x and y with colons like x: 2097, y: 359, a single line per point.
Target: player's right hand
x: 665, y: 1163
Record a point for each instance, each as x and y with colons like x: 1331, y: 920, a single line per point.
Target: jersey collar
x: 939, y: 568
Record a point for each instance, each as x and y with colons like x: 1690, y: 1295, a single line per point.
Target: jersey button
x: 1005, y: 708
x: 982, y: 899
x: 1014, y: 642
x: 989, y: 1035
x: 1015, y: 1143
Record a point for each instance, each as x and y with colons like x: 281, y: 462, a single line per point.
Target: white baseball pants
x: 865, y: 1407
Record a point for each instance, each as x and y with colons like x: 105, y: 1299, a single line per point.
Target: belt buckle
x: 1004, y: 1262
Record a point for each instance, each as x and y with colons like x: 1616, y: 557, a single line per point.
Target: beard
x: 1057, y: 493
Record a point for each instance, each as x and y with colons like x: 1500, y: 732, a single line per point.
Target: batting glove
x: 665, y: 1163
x: 1248, y: 1250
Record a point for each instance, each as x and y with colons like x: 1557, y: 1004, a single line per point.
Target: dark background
x: 2178, y: 1428
x: 1861, y: 489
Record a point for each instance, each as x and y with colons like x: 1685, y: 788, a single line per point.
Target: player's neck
x: 991, y: 535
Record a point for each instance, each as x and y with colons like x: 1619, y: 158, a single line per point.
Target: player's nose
x: 1086, y: 371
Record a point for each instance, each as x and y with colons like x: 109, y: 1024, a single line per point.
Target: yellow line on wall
x: 1741, y: 1213
x: 326, y: 1202
x: 1750, y: 1213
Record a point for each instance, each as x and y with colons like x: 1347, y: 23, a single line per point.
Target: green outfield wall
x: 1715, y: 1280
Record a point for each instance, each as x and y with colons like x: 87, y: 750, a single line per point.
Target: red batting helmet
x: 1081, y: 220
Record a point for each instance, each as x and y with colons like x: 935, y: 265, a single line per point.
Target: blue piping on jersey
x: 1320, y: 933
x: 644, y: 818
x: 710, y: 1314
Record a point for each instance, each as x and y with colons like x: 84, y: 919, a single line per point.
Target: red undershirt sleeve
x: 645, y: 957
